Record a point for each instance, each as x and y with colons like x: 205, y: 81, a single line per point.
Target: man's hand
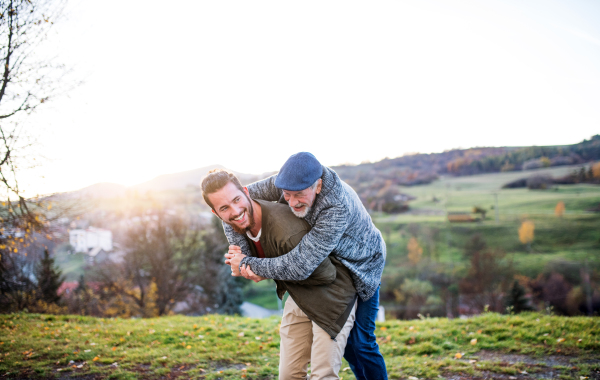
x: 234, y: 261
x: 233, y: 250
x: 247, y: 273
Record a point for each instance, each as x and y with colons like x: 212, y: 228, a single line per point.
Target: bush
x: 539, y: 182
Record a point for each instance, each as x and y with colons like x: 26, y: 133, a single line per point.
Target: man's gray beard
x: 301, y: 214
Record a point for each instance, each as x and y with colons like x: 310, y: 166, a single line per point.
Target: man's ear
x: 319, y: 185
x: 246, y: 191
x: 213, y: 211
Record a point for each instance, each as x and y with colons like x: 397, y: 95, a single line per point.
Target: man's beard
x: 250, y: 216
x: 303, y: 213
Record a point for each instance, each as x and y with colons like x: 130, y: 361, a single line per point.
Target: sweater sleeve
x: 236, y: 239
x: 314, y: 247
x: 265, y: 190
x: 325, y: 273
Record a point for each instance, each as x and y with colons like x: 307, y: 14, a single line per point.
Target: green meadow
x: 521, y: 346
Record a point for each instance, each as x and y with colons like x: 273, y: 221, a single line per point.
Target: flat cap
x: 299, y: 172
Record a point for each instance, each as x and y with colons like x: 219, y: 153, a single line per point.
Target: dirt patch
x: 549, y: 360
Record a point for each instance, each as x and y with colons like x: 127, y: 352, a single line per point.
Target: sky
x: 174, y: 87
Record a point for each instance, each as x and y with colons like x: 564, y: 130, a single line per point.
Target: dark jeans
x: 362, y: 351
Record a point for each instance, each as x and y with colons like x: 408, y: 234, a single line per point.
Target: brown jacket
x: 327, y: 296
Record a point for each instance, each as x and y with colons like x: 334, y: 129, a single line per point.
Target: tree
x: 171, y: 259
x: 559, y: 210
x: 414, y: 251
x: 480, y: 210
x: 486, y: 279
x: 49, y: 279
x: 596, y: 170
x: 526, y: 233
x: 516, y: 300
x: 27, y: 80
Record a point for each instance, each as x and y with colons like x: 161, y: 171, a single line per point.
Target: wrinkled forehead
x: 299, y: 193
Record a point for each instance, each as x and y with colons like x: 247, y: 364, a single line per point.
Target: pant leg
x: 326, y: 357
x: 296, y: 340
x: 362, y: 350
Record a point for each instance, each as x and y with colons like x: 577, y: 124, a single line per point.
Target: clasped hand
x: 233, y: 258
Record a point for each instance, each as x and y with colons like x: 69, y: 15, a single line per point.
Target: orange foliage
x: 559, y: 210
x: 414, y: 250
x: 526, y: 232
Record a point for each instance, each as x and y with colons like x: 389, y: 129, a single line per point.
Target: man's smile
x: 240, y: 219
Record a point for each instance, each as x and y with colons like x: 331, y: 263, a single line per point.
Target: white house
x: 84, y: 240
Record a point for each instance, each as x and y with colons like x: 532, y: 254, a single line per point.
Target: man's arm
x: 265, y: 190
x: 236, y: 239
x: 325, y: 272
x: 314, y: 247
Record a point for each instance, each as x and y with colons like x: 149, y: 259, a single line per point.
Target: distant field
x: 463, y: 193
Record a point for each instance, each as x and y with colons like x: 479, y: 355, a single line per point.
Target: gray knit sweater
x: 341, y: 226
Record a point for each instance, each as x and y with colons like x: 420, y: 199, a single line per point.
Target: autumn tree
x: 171, y: 259
x: 526, y: 233
x: 596, y: 170
x: 27, y: 80
x: 415, y: 252
x: 559, y: 210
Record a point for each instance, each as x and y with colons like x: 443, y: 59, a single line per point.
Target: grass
x: 221, y: 347
x: 72, y: 265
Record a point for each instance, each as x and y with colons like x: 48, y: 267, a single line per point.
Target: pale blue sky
x: 246, y: 84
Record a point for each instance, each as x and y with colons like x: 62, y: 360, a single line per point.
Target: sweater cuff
x: 246, y: 261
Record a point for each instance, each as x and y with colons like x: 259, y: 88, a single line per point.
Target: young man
x: 319, y: 313
x: 342, y: 228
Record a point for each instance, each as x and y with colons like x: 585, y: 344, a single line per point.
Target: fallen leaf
x: 95, y: 359
x: 458, y: 355
x: 473, y: 342
x: 241, y: 334
x: 560, y: 340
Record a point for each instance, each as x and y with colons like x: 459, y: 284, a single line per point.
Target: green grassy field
x: 462, y: 193
x: 221, y: 347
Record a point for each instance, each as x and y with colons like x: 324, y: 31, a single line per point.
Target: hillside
x: 214, y: 347
x: 417, y: 169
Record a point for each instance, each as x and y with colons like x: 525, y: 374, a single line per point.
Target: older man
x: 319, y: 314
x: 341, y: 227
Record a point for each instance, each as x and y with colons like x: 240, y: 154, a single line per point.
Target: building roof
x: 95, y: 251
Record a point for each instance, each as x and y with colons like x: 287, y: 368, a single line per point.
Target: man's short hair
x: 215, y: 180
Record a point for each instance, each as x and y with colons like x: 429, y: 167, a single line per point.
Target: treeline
x: 171, y: 263
x: 420, y: 169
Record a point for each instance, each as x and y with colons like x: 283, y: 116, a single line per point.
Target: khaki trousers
x: 302, y: 341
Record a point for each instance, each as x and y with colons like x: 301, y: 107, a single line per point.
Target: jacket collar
x: 330, y: 180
